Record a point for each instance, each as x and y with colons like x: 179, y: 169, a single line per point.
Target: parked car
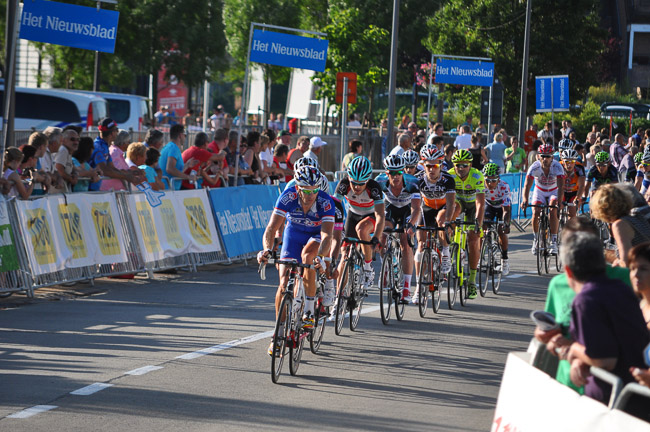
x: 130, y: 112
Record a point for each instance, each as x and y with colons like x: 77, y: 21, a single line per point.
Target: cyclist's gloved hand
x: 262, y: 256
x: 319, y: 262
x: 374, y: 241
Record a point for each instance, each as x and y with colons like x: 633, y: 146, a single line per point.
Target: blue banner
x: 69, y: 25
x: 288, y: 50
x: 242, y: 214
x: 464, y: 72
x: 560, y: 93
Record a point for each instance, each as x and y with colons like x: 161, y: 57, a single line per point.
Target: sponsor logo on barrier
x: 105, y: 229
x: 70, y: 219
x: 249, y: 218
x: 168, y: 216
x: 148, y: 227
x: 198, y: 220
x: 41, y: 236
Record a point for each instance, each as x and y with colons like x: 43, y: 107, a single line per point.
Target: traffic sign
x: 552, y: 93
x: 352, y: 87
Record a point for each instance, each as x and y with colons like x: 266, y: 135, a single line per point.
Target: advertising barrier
x: 242, y: 214
x: 182, y: 224
x: 8, y: 247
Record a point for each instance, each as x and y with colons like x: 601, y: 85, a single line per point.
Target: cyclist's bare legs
x: 555, y: 221
x: 407, y: 255
x: 364, y: 229
x: 536, y: 213
x: 473, y: 245
x: 309, y: 275
x: 284, y: 278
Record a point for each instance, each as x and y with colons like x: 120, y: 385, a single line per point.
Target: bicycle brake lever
x: 262, y: 271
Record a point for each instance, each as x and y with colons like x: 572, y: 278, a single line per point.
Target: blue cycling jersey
x: 288, y: 206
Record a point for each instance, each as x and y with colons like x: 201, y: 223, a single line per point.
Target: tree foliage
x: 561, y: 42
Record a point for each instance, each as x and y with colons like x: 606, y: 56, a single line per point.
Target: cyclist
x: 309, y: 213
x: 498, y: 206
x: 339, y: 217
x: 470, y: 195
x: 366, y: 210
x: 411, y: 160
x: 564, y: 144
x: 574, y: 180
x: 603, y: 173
x: 402, y: 210
x: 548, y: 175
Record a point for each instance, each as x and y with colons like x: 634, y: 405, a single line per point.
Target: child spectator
x: 13, y: 158
x: 80, y: 160
x: 153, y: 178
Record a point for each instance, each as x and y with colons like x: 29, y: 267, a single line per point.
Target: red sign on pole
x: 352, y: 87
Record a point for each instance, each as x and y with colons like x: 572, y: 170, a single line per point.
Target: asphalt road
x: 188, y: 352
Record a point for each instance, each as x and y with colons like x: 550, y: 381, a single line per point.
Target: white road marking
x: 143, y: 370
x: 517, y: 276
x: 93, y: 388
x: 26, y: 413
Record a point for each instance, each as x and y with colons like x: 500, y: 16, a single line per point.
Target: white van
x: 130, y: 112
x: 39, y: 108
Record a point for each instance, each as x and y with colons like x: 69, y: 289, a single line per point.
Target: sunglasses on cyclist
x: 462, y: 165
x: 410, y: 167
x: 491, y: 180
x: 431, y: 166
x: 546, y: 156
x: 566, y: 161
x: 357, y: 183
x: 309, y: 191
x: 395, y: 173
x: 602, y: 164
x: 644, y: 164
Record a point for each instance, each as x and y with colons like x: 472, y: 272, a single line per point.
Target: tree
x: 561, y: 43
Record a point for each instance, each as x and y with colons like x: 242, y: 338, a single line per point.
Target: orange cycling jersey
x: 571, y: 180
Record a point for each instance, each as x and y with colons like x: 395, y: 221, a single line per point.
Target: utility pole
x: 524, y: 75
x: 393, y: 76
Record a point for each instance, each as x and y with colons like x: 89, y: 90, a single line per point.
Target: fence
x: 65, y: 238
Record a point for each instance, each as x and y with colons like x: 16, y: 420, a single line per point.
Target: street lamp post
x: 524, y: 74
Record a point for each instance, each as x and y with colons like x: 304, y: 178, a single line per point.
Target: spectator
x: 464, y: 140
x: 413, y: 129
x: 171, y: 159
x: 497, y: 151
x: 403, y: 144
x: 437, y: 141
x: 613, y: 204
x: 162, y: 115
x: 285, y: 138
x: 545, y: 134
x: 353, y: 122
x: 252, y: 158
x: 154, y: 139
x: 315, y: 147
x: 480, y: 158
x: 54, y: 135
x: 279, y: 122
x: 136, y: 154
x: 266, y: 152
x: 101, y: 157
x: 271, y: 124
x: 449, y: 151
x: 437, y: 130
x: 231, y: 153
x: 302, y: 145
x: 639, y: 263
x: 590, y: 159
x: 12, y: 161
x: 532, y: 155
x: 198, y: 152
x: 607, y: 325
x: 515, y: 156
x: 568, y: 128
x: 63, y: 159
x: 280, y: 163
x: 294, y: 124
x: 216, y: 119
x: 468, y: 122
x: 117, y: 148
x: 355, y: 148
x: 153, y: 178
x: 189, y: 119
x: 80, y: 160
x: 618, y: 152
x: 404, y: 125
x: 529, y: 138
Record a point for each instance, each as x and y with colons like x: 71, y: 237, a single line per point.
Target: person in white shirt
x: 403, y: 144
x: 353, y: 121
x: 464, y: 141
x: 315, y: 144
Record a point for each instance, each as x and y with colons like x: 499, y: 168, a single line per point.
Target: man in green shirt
x: 515, y: 157
x: 560, y: 297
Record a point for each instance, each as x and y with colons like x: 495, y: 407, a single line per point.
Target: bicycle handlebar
x: 394, y: 230
x: 358, y: 241
x: 290, y: 262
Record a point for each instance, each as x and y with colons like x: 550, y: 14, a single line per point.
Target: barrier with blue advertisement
x: 242, y: 214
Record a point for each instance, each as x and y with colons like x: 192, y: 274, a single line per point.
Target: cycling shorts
x: 493, y: 213
x: 469, y: 208
x: 570, y: 197
x: 429, y: 216
x: 542, y: 197
x: 293, y: 242
x: 398, y: 216
x: 353, y: 220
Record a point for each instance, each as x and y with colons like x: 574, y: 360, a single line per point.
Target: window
x: 119, y: 110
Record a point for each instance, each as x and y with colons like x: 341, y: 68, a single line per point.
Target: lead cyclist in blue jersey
x: 309, y: 213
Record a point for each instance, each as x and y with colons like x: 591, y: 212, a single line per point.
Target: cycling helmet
x: 545, y: 149
x: 569, y: 154
x: 491, y: 170
x: 394, y: 163
x: 638, y: 158
x: 566, y: 144
x: 602, y: 157
x: 360, y: 169
x: 324, y: 184
x: 410, y: 157
x: 305, y: 161
x: 307, y: 176
x: 462, y: 156
x: 431, y: 154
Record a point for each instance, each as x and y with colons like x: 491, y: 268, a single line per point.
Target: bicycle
x: 456, y: 281
x: 288, y: 333
x: 489, y: 264
x: 563, y: 218
x: 430, y: 277
x: 321, y: 314
x: 391, y: 277
x: 543, y: 238
x: 351, y: 290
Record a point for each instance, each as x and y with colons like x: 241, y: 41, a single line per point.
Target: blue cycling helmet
x: 307, y: 176
x: 360, y: 169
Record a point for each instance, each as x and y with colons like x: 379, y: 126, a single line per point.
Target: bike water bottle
x: 297, y: 304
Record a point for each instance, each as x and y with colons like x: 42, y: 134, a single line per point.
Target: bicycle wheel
x: 462, y: 287
x: 547, y: 255
x: 452, y: 277
x: 540, y: 249
x: 295, y: 352
x: 397, y: 284
x: 484, y: 265
x: 424, y: 282
x: 281, y: 337
x: 436, y: 275
x: 320, y: 319
x: 344, y: 295
x: 495, y: 274
x: 385, y: 292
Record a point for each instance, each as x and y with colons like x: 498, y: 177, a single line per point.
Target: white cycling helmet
x: 394, y: 163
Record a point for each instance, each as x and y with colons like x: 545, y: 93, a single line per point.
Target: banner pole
x: 344, y: 122
x: 244, y: 105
